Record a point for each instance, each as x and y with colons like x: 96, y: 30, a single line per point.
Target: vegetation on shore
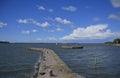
x: 116, y: 42
x: 4, y: 42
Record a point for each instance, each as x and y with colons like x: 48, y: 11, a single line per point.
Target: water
x: 81, y: 61
x: 17, y: 62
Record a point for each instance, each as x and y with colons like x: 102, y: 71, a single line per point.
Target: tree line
x: 115, y: 41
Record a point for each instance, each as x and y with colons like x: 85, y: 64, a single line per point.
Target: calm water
x: 17, y: 62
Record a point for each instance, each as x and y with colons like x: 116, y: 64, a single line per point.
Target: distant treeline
x: 4, y: 42
x: 115, y: 41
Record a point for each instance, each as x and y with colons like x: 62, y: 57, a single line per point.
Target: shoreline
x: 52, y: 66
x: 113, y: 44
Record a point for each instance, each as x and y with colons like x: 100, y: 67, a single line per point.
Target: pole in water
x: 95, y: 61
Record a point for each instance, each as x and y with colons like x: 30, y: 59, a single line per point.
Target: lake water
x: 17, y: 62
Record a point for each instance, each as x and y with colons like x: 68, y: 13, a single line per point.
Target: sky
x: 54, y: 21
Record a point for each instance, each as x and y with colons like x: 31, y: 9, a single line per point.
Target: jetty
x: 52, y: 66
x: 72, y: 46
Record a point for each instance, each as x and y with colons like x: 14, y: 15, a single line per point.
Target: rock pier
x: 52, y: 66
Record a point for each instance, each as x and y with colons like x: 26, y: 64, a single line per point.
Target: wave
x: 37, y: 63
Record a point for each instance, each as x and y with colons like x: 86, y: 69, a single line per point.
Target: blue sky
x: 90, y: 21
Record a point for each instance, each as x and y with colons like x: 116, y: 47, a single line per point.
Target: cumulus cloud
x: 116, y: 3
x: 32, y: 21
x: 50, y: 10
x: 69, y: 8
x: 115, y: 17
x: 96, y: 19
x: 63, y: 21
x: 45, y: 9
x: 99, y: 31
x: 48, y: 19
x: 45, y: 24
x: 41, y: 7
x: 59, y: 29
x: 49, y: 30
x: 24, y: 21
x: 2, y: 24
x: 47, y: 39
x: 26, y: 32
x: 58, y: 20
x: 34, y: 31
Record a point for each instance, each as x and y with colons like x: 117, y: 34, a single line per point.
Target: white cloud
x: 116, y: 3
x: 26, y: 32
x: 99, y: 31
x: 24, y: 21
x: 59, y: 29
x: 49, y: 30
x: 58, y: 20
x: 47, y: 39
x: 32, y: 21
x: 69, y: 8
x: 41, y: 7
x: 2, y: 24
x: 34, y: 30
x: 50, y: 10
x: 115, y: 17
x: 45, y: 9
x: 45, y: 24
x: 96, y: 19
x: 29, y: 31
x: 48, y: 18
x: 63, y: 21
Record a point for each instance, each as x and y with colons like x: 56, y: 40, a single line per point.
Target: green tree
x: 117, y: 41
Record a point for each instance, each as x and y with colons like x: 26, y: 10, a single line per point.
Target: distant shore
x: 4, y: 42
x: 113, y: 44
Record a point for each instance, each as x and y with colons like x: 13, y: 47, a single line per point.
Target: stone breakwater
x: 52, y: 66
